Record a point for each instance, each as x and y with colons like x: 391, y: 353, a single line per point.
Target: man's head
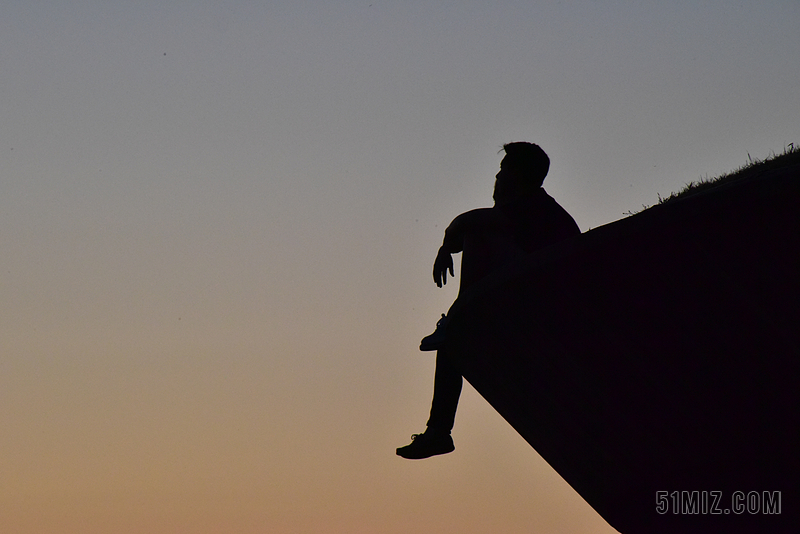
x: 522, y: 171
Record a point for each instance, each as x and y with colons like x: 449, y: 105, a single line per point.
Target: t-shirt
x: 492, y: 237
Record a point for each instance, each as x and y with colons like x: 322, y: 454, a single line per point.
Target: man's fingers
x: 440, y: 276
x: 443, y: 263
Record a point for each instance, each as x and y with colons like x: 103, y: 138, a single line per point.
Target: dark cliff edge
x: 658, y: 353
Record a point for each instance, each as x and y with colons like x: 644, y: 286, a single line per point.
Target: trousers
x: 447, y: 384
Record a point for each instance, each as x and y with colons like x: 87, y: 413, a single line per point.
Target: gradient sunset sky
x: 218, y: 220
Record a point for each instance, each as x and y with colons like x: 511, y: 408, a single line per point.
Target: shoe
x: 436, y: 340
x: 427, y: 445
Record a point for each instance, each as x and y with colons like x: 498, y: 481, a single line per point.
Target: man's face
x: 505, y: 183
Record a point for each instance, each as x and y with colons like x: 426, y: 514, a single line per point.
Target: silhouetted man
x: 524, y: 219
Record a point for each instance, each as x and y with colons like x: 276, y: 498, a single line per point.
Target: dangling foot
x: 431, y: 443
x: 435, y: 340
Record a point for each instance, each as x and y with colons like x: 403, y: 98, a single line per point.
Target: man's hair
x: 527, y: 159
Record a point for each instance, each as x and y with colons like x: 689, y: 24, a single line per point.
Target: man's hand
x: 442, y: 264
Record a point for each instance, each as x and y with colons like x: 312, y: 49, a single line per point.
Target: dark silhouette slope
x: 656, y: 353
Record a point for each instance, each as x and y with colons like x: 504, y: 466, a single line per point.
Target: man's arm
x: 481, y: 219
x: 453, y: 243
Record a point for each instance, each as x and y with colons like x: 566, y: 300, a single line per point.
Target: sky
x: 218, y: 221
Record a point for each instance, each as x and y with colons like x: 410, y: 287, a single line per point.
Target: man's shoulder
x: 479, y: 219
x: 477, y: 213
x: 540, y: 212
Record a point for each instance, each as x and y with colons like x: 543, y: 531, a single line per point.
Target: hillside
x: 656, y: 353
x: 754, y: 170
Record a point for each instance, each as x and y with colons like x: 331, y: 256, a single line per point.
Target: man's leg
x: 447, y: 383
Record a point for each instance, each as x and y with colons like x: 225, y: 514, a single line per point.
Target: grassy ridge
x: 754, y: 167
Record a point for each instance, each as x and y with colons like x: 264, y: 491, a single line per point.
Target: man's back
x: 538, y: 221
x: 493, y: 237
